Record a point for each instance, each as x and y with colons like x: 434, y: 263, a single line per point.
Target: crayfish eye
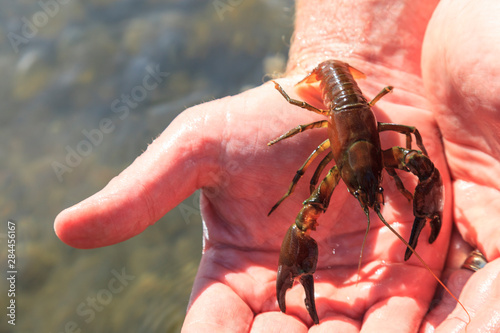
x: 356, y: 194
x: 380, y: 196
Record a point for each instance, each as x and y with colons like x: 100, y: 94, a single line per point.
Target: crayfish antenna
x: 367, y: 213
x: 277, y: 204
x: 408, y: 246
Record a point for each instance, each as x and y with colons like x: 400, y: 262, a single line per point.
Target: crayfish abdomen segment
x: 338, y: 85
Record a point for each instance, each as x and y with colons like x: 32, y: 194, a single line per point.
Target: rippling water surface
x: 67, y: 65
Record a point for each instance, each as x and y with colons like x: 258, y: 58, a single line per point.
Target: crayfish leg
x: 300, y: 129
x: 321, y: 148
x: 399, y: 184
x: 321, y: 166
x: 407, y: 131
x: 300, y: 104
x: 385, y: 91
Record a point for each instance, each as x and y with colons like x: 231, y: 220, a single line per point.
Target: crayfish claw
x: 298, y: 258
x: 418, y: 225
x: 428, y: 198
x: 435, y: 223
x: 307, y: 282
x: 283, y: 283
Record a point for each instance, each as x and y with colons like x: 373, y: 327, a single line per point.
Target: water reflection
x: 80, y: 101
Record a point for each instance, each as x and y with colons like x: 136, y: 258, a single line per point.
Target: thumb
x: 157, y: 181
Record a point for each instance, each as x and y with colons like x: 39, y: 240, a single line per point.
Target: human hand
x: 460, y: 76
x: 221, y: 148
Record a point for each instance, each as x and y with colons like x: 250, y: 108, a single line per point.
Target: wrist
x: 361, y: 32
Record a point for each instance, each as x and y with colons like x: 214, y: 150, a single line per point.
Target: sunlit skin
x: 446, y: 84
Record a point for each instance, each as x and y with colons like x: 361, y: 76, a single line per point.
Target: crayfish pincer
x: 354, y: 145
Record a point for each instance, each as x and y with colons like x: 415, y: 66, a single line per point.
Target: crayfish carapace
x: 354, y: 143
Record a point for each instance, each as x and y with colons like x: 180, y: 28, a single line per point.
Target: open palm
x: 242, y: 243
x: 221, y: 147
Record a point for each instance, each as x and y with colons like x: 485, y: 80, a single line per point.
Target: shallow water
x: 66, y: 66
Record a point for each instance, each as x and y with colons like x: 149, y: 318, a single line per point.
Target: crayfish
x: 354, y: 144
